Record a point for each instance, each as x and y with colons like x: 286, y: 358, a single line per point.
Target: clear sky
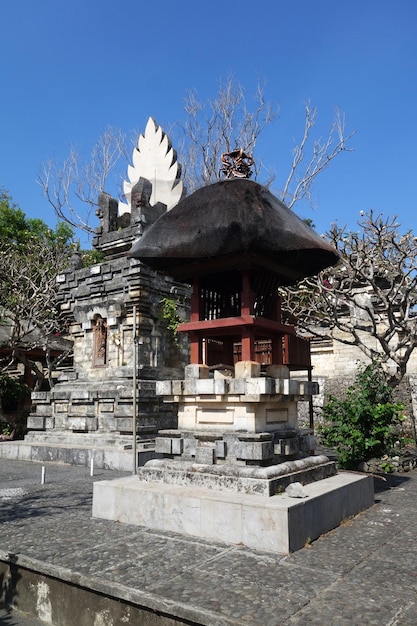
x: 70, y: 69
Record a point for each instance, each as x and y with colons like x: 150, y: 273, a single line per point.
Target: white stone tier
x: 279, y: 524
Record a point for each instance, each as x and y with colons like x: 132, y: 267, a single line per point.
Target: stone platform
x: 106, y: 451
x: 361, y: 574
x: 278, y: 524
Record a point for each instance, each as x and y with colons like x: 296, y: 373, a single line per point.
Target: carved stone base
x: 263, y: 481
x: 279, y: 524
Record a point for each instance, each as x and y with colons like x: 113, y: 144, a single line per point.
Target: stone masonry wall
x: 96, y: 395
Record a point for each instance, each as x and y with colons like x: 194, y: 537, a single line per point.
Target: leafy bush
x: 171, y: 317
x: 12, y: 392
x: 92, y: 257
x: 366, y: 423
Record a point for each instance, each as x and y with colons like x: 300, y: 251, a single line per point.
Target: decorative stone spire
x: 155, y: 160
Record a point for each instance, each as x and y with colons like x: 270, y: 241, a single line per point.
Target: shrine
x: 227, y: 469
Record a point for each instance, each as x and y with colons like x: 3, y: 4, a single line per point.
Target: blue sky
x: 70, y: 69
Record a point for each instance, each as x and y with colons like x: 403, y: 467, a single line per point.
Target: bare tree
x: 226, y: 122
x: 220, y: 125
x: 304, y: 170
x: 369, y: 299
x: 212, y: 127
x: 73, y: 188
x: 28, y: 307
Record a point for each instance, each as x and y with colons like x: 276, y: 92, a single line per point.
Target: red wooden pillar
x: 248, y: 345
x: 196, y: 353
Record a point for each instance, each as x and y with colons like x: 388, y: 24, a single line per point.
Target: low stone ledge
x: 267, y: 482
x: 248, y: 389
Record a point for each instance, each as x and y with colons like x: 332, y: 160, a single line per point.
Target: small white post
x: 43, y: 475
x: 92, y: 467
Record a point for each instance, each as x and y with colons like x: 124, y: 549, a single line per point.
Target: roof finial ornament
x: 236, y: 164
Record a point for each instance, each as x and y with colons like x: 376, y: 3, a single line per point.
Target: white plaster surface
x: 278, y: 524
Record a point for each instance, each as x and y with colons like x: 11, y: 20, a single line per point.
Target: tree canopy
x: 16, y: 228
x: 31, y: 256
x: 369, y: 299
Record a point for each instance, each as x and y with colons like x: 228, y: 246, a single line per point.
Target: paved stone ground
x: 362, y: 573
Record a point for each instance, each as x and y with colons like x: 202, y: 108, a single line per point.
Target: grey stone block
x: 122, y: 424
x: 196, y: 371
x: 287, y: 447
x: 237, y: 386
x: 163, y: 445
x: 220, y: 386
x: 49, y: 423
x: 164, y: 388
x: 205, y: 386
x: 221, y: 449
x: 36, y: 422
x: 254, y: 450
x: 204, y: 455
x: 260, y: 386
x: 40, y: 395
x: 190, y: 386
x: 177, y: 445
x: 177, y: 387
x: 308, y: 442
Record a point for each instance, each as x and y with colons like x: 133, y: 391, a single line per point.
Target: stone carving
x: 236, y: 164
x: 155, y: 160
x: 100, y: 342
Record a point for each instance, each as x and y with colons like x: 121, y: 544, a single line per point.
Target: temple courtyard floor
x: 62, y: 567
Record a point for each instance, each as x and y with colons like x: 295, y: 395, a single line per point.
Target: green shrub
x: 366, y: 423
x: 92, y: 257
x: 171, y: 317
x: 12, y: 393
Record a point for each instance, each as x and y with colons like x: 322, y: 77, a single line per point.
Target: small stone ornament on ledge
x: 296, y: 490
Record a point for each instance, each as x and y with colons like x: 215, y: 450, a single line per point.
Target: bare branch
x: 73, y: 188
x: 220, y: 125
x: 298, y: 185
x: 370, y: 299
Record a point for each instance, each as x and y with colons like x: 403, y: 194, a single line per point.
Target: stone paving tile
x: 139, y: 564
x: 245, y: 601
x: 390, y: 567
x: 362, y: 573
x: 268, y: 573
x: 353, y: 603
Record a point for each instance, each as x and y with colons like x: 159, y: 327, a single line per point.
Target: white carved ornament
x: 154, y: 159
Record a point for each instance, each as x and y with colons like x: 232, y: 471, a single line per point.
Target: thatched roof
x: 234, y: 220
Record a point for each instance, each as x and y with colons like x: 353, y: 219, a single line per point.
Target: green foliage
x: 92, y: 257
x: 31, y: 256
x: 16, y: 229
x: 12, y: 392
x: 387, y: 467
x: 171, y: 317
x: 365, y: 424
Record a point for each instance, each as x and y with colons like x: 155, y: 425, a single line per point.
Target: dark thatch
x: 234, y: 219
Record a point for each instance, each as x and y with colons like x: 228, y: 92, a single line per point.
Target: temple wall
x: 96, y: 395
